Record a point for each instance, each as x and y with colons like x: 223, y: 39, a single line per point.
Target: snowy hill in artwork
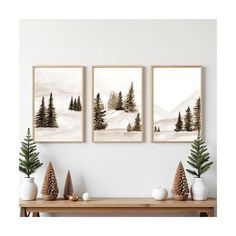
x: 160, y: 113
x: 119, y: 119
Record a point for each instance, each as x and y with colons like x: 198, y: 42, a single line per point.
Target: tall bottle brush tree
x: 30, y: 162
x: 199, y: 158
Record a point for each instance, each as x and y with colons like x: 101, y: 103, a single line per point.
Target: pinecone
x: 180, y: 188
x: 50, y: 188
x: 68, y: 189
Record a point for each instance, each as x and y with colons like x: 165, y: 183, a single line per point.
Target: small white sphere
x: 86, y: 196
x: 159, y: 194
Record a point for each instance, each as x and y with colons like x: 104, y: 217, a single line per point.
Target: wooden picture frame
x: 173, y: 134
x: 118, y: 134
x: 64, y: 84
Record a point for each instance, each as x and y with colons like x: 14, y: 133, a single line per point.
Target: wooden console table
x: 114, y: 206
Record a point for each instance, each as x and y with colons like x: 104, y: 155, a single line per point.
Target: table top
x: 119, y: 202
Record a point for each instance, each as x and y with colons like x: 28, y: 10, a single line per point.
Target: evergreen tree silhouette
x: 197, y: 115
x: 51, y: 117
x: 40, y: 118
x: 158, y: 130
x: 71, y: 104
x: 179, y: 124
x: 119, y: 105
x: 99, y: 114
x: 129, y: 104
x: 78, y: 107
x: 113, y: 99
x: 188, y: 123
x: 137, y: 123
x: 129, y: 128
x: 75, y: 105
x: 155, y: 129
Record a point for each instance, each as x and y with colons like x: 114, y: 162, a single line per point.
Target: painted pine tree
x: 137, y: 123
x: 197, y: 115
x: 158, y: 130
x: 40, y: 118
x: 129, y: 128
x: 179, y: 124
x: 188, y: 120
x: 99, y: 114
x: 155, y: 129
x: 129, y: 104
x: 79, y: 106
x: 71, y: 104
x: 119, y: 105
x: 51, y: 117
x: 112, y: 101
x: 75, y: 105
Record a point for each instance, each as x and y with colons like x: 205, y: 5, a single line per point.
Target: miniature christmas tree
x: 180, y: 188
x: 68, y: 189
x: 179, y: 124
x: 30, y: 163
x: 199, y: 158
x: 50, y: 189
x: 40, y: 118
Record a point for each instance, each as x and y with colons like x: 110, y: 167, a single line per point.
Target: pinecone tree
x: 40, y: 118
x: 188, y: 120
x: 199, y: 158
x: 51, y: 117
x: 71, y: 104
x: 180, y: 188
x: 119, y: 105
x: 50, y: 189
x: 68, y: 189
x: 179, y: 124
x: 137, y: 123
x: 129, y: 104
x: 112, y: 101
x: 99, y: 114
x: 197, y: 115
x: 129, y: 128
x: 79, y: 106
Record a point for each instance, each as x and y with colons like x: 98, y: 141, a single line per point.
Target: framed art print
x: 177, y: 103
x: 58, y: 103
x: 117, y: 103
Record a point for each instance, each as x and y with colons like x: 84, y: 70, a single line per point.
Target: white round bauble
x: 86, y: 196
x: 159, y: 194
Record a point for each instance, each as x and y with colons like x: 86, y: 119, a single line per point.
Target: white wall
x: 118, y: 170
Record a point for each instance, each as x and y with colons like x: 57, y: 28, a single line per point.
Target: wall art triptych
x: 117, y: 104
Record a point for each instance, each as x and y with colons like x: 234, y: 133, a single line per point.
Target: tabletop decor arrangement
x: 159, y: 193
x: 199, y: 161
x: 180, y: 189
x: 50, y: 188
x: 28, y: 165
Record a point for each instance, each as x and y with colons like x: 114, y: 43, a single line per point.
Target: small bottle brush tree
x: 30, y: 163
x: 199, y: 158
x: 180, y: 187
x: 68, y: 189
x: 50, y: 188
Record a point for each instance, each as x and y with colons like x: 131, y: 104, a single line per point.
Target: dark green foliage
x: 30, y: 163
x: 199, y: 158
x: 129, y: 104
x: 40, y: 118
x: 71, y: 104
x: 179, y: 124
x: 51, y: 117
x: 197, y: 115
x: 119, y: 105
x: 99, y: 114
x: 188, y: 123
x: 78, y: 107
x: 129, y: 128
x: 137, y: 123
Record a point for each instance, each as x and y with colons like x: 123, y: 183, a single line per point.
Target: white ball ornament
x: 159, y: 193
x: 86, y: 196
